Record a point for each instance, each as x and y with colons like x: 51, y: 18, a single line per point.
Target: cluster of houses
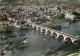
x: 9, y: 15
x: 46, y: 12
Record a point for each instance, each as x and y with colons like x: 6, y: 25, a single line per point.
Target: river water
x: 35, y: 46
x: 72, y: 29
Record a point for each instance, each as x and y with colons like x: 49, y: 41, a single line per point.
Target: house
x: 3, y: 12
x: 4, y: 22
x: 78, y: 10
x: 48, y: 17
x: 69, y: 16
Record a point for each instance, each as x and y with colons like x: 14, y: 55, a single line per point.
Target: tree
x: 1, y: 46
x: 75, y: 13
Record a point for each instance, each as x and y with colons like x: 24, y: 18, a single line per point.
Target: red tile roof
x: 4, y: 20
x: 10, y: 17
x: 15, y: 17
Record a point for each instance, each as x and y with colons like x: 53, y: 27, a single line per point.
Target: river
x: 72, y: 29
x: 36, y: 47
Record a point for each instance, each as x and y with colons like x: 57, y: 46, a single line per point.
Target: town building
x: 69, y: 16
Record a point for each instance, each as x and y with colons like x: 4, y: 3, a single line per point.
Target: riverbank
x: 71, y: 50
x: 63, y: 53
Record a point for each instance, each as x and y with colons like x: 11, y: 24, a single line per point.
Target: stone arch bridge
x: 54, y: 33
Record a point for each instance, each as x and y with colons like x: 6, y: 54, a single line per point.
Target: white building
x: 69, y: 16
x: 28, y: 20
x: 5, y: 22
x: 48, y: 17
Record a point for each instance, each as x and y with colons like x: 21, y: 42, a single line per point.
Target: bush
x: 59, y: 16
x: 73, y: 48
x: 49, y: 54
x: 58, y: 27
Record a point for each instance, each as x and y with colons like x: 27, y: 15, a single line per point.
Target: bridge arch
x: 68, y: 41
x: 54, y: 35
x: 60, y: 38
x: 35, y: 27
x: 39, y: 28
x: 76, y: 41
